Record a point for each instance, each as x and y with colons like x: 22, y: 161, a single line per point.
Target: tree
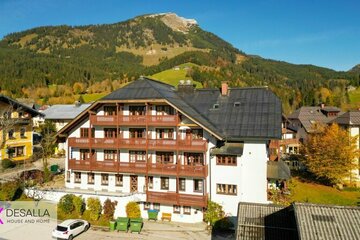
x: 214, y: 213
x: 109, y: 209
x: 48, y: 145
x: 329, y: 154
x: 94, y: 206
x: 133, y: 210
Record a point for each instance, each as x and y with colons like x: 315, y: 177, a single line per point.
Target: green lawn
x: 316, y: 193
x: 93, y: 97
x: 172, y: 76
x: 355, y: 97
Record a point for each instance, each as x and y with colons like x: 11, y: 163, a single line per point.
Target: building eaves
x: 17, y: 105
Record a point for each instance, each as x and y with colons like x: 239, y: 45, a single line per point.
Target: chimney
x: 224, y: 89
x: 322, y: 105
x: 186, y: 86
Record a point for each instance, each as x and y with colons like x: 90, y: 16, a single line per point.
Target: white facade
x: 247, y: 177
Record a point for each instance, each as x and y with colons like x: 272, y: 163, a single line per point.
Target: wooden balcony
x: 139, y: 143
x: 193, y: 145
x: 292, y: 141
x: 138, y: 167
x: 173, y: 198
x: 134, y: 120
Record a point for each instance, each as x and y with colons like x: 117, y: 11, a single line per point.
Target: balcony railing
x: 293, y: 141
x: 133, y: 120
x: 176, y: 198
x: 139, y: 143
x: 137, y: 167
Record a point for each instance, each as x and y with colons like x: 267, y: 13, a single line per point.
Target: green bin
x: 54, y: 168
x: 136, y: 225
x: 112, y: 225
x: 122, y: 224
x: 153, y: 214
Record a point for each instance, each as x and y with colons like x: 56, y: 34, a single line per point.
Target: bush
x: 213, y: 213
x: 94, y: 206
x: 7, y: 163
x: 10, y: 191
x: 223, y: 224
x: 109, y: 209
x: 133, y: 210
x: 66, y: 204
x: 79, y: 205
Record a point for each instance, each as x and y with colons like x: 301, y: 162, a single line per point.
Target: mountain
x: 355, y: 69
x: 64, y: 55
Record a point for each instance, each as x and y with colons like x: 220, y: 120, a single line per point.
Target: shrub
x: 10, y: 191
x: 109, y: 208
x: 213, y: 213
x: 7, y: 163
x: 223, y: 224
x: 133, y: 210
x: 66, y: 204
x: 79, y: 205
x: 94, y: 206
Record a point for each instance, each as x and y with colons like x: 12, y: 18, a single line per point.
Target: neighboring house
x: 16, y: 129
x: 299, y: 221
x: 351, y: 122
x: 175, y: 149
x: 62, y: 114
x: 305, y: 119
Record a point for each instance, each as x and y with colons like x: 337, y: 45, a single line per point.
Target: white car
x: 70, y: 228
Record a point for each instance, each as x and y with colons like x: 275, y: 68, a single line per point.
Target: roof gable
x: 18, y: 105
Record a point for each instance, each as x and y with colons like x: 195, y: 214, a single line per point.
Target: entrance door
x: 133, y: 183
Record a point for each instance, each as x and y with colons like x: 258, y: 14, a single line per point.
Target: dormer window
x: 216, y: 106
x: 236, y: 104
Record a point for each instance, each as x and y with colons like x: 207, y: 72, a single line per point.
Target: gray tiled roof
x: 257, y: 113
x: 348, y: 118
x: 310, y: 115
x: 64, y: 111
x: 327, y: 222
x: 265, y: 221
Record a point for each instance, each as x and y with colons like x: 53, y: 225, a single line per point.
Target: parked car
x: 70, y: 228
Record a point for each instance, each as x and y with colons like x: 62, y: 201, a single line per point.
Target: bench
x: 166, y: 216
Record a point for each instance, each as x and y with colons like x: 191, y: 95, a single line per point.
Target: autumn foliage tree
x: 330, y: 154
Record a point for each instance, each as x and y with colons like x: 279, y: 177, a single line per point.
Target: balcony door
x: 133, y: 183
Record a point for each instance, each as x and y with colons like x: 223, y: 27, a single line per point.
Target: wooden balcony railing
x: 133, y: 120
x: 176, y: 198
x: 293, y: 141
x: 138, y: 167
x: 139, y: 143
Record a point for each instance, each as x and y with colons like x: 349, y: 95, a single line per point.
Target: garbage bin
x: 54, y: 168
x: 122, y: 224
x: 112, y: 225
x: 136, y: 225
x: 152, y: 214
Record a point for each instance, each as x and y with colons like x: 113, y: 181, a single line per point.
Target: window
x: 150, y: 182
x: 198, y: 185
x: 68, y: 174
x: 84, y: 132
x: 226, y: 189
x: 11, y: 134
x: 182, y: 184
x: 78, y: 177
x: 91, y: 178
x: 187, y: 210
x: 110, y: 155
x: 110, y: 110
x: 164, y: 157
x: 226, y: 160
x: 216, y: 106
x: 104, y: 179
x: 84, y: 154
x: 165, y: 133
x: 164, y: 110
x: 137, y: 132
x: 156, y: 206
x: 197, y: 133
x: 22, y: 132
x: 137, y: 110
x: 119, y: 180
x: 164, y: 183
x: 16, y: 151
x: 147, y: 205
x: 110, y: 132
x: 194, y: 158
x: 176, y: 209
x: 137, y: 156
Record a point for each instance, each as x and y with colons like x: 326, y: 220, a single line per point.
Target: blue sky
x: 320, y: 32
